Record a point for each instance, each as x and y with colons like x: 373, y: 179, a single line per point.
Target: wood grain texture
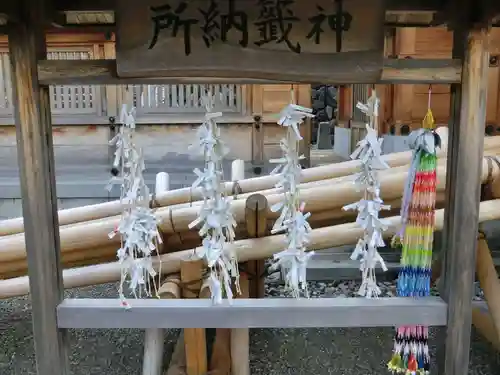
x: 288, y: 55
x: 107, y: 5
x: 256, y: 214
x: 194, y: 338
x: 467, y: 142
x: 36, y: 164
x: 240, y: 339
x: 421, y: 71
x: 355, y: 67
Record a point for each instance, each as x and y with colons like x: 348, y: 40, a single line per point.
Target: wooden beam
x: 87, y: 72
x: 464, y: 208
x: 421, y: 71
x: 252, y: 313
x: 36, y: 164
x: 108, y: 5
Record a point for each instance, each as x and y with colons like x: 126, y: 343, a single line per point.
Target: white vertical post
x: 154, y: 337
x: 240, y: 340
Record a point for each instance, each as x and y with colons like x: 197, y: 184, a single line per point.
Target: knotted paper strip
x: 138, y: 225
x: 369, y: 152
x: 215, y: 220
x: 292, y: 219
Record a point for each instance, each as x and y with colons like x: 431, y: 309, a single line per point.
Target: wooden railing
x: 359, y: 94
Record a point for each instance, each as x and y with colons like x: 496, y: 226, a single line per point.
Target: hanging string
x: 411, y: 351
x: 292, y: 219
x: 369, y: 152
x: 428, y: 121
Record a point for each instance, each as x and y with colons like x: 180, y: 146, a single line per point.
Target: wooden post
x: 256, y: 209
x: 37, y: 174
x: 221, y: 360
x: 154, y: 337
x: 453, y: 137
x: 240, y: 338
x: 171, y: 289
x: 194, y: 338
x: 464, y: 189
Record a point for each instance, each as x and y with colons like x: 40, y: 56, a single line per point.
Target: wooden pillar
x: 195, y: 343
x: 464, y: 190
x: 36, y: 165
x: 154, y: 340
x: 256, y: 208
x: 453, y: 137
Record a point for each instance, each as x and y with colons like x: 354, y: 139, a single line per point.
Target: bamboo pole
x: 186, y: 195
x: 177, y: 365
x: 488, y: 280
x: 190, y: 240
x: 67, y: 260
x: 174, y: 221
x: 248, y: 249
x: 484, y: 321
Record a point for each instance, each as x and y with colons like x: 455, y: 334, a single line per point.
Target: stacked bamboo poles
x: 188, y: 196
x: 324, y: 201
x: 247, y: 249
x: 230, y: 351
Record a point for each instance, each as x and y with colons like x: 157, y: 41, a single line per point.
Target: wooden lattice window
x: 359, y: 94
x: 81, y: 99
x: 69, y: 104
x: 183, y: 98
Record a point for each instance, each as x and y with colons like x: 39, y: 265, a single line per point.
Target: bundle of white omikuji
x: 216, y: 219
x: 369, y: 153
x: 292, y: 220
x: 138, y: 225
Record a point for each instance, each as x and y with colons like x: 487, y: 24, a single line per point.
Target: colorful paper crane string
x: 411, y: 352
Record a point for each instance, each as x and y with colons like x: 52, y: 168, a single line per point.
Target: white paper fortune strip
x: 138, y: 226
x: 369, y: 152
x: 215, y: 219
x: 292, y: 220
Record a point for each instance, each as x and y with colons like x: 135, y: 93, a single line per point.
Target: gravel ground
x: 273, y: 351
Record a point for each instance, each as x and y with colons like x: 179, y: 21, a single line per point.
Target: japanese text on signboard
x: 274, y: 23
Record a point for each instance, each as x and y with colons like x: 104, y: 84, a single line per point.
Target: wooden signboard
x: 284, y: 40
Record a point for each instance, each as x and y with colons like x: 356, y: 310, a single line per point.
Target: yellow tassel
x: 428, y: 121
x: 396, y: 363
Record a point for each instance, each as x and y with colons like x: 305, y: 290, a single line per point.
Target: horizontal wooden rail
x: 362, y: 70
x: 252, y: 313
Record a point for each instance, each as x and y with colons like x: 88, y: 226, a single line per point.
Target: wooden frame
x: 52, y: 315
x: 364, y: 70
x: 252, y: 313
